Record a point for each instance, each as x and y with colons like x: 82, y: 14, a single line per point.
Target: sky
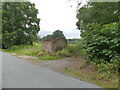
x: 57, y: 15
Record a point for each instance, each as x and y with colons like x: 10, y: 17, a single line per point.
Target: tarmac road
x: 18, y: 73
x: 0, y: 70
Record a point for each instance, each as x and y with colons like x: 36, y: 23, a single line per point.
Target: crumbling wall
x: 59, y: 43
x: 54, y: 45
x: 47, y: 46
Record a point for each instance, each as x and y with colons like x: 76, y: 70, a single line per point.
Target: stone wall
x: 54, y: 45
x: 47, y: 46
x: 59, y: 43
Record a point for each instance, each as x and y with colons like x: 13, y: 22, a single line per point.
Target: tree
x: 98, y: 22
x: 102, y: 42
x: 48, y: 37
x: 97, y: 12
x: 57, y: 34
x: 20, y: 24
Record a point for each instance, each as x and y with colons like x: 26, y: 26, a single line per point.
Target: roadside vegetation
x: 98, y: 23
x: 20, y: 24
x: 99, y: 44
x: 71, y: 50
x: 101, y: 73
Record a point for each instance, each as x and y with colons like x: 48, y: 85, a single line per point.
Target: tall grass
x: 24, y: 49
x: 69, y: 50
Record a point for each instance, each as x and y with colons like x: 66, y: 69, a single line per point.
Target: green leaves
x: 56, y: 34
x: 102, y: 43
x: 99, y: 25
x: 20, y: 24
x: 97, y: 12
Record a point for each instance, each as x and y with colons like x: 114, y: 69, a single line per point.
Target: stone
x: 53, y: 45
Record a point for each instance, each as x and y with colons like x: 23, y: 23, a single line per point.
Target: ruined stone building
x: 54, y: 44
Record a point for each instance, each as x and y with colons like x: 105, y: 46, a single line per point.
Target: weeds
x: 89, y: 73
x: 35, y: 50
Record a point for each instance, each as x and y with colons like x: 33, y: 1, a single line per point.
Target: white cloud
x: 57, y: 14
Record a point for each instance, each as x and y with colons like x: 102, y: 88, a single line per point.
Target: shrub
x: 69, y: 50
x: 64, y: 53
x: 102, y: 42
x: 73, y: 49
x: 103, y: 66
x: 41, y: 53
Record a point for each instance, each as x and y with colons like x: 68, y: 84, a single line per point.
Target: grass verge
x: 36, y: 51
x: 89, y: 74
x: 50, y: 58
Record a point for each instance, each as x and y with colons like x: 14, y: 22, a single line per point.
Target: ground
x: 57, y: 65
x: 74, y: 67
x: 19, y: 73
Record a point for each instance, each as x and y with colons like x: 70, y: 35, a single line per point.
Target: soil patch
x: 27, y: 57
x: 24, y: 56
x: 60, y: 65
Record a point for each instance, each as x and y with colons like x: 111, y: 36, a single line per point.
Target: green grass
x: 50, y: 58
x: 71, y: 50
x: 35, y: 50
x: 31, y: 50
x: 23, y: 49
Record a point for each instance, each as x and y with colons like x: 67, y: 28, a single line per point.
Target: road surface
x: 18, y: 73
x: 0, y: 70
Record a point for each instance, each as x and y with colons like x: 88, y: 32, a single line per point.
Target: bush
x: 74, y: 49
x: 102, y: 42
x: 40, y: 53
x: 103, y: 66
x: 69, y: 50
x: 63, y: 53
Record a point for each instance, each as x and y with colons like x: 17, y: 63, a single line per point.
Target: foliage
x: 56, y: 34
x: 88, y: 74
x: 102, y: 42
x: 98, y: 23
x: 24, y: 49
x: 20, y: 24
x: 97, y: 12
x: 71, y: 50
x: 48, y: 37
x: 102, y: 66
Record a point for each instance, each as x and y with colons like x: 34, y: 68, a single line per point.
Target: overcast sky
x: 57, y: 14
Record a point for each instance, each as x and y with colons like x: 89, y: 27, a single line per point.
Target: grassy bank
x: 89, y: 74
x: 24, y: 49
x: 30, y: 50
x: 102, y: 74
x: 71, y: 50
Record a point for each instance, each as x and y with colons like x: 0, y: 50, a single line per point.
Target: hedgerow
x: 102, y: 42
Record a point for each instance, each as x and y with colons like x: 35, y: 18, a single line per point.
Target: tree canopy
x: 97, y: 12
x: 56, y: 34
x: 98, y: 23
x: 20, y: 24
